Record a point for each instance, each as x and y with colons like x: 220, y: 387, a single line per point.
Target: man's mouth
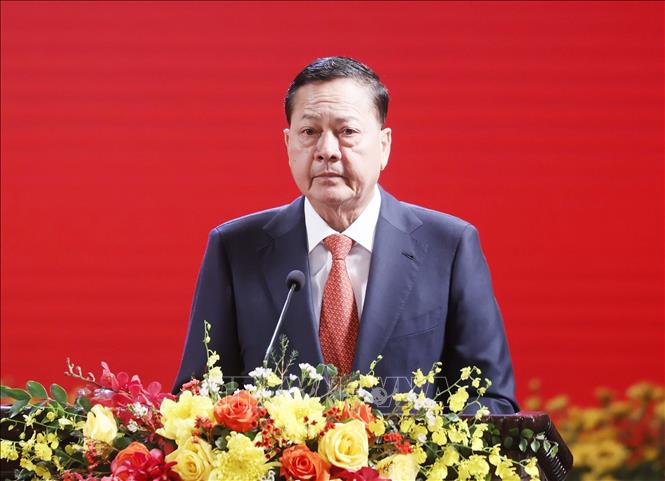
x: 328, y: 174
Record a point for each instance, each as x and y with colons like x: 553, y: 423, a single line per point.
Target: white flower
x: 270, y: 476
x: 249, y: 387
x: 203, y: 389
x: 264, y: 393
x: 132, y: 426
x: 424, y: 403
x: 411, y: 397
x: 139, y: 409
x: 261, y: 373
x: 292, y: 377
x: 309, y: 371
x: 366, y: 395
x: 216, y: 376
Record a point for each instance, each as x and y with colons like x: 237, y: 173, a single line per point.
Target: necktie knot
x: 339, y: 245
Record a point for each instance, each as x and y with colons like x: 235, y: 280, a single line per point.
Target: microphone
x: 295, y: 280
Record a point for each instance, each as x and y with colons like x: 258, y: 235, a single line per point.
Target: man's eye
x: 308, y: 131
x: 348, y: 131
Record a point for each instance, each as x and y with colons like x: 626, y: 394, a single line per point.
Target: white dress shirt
x: 358, y: 260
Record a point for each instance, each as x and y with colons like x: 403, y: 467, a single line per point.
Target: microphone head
x: 295, y: 278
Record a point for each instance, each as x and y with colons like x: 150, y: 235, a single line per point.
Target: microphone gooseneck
x: 295, y: 280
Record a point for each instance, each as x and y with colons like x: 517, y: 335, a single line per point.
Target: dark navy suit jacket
x: 429, y: 298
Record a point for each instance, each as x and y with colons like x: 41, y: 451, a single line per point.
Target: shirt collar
x: 361, y: 231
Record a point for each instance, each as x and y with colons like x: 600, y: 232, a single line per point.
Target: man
x: 383, y: 277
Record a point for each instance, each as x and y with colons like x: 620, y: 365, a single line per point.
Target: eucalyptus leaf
x: 508, y: 442
x: 59, y: 394
x: 527, y: 433
x: 18, y: 394
x: 36, y: 389
x: 84, y: 403
x: 535, y: 445
x: 18, y: 406
x: 523, y: 445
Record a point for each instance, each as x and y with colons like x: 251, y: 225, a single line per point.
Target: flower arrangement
x: 622, y: 438
x: 274, y: 427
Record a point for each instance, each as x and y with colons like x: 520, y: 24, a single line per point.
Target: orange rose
x: 360, y: 411
x: 129, y: 452
x: 298, y: 462
x: 239, y: 412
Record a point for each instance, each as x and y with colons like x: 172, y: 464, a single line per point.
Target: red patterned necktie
x: 338, y: 329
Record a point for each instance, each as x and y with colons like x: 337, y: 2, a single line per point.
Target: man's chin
x: 330, y: 197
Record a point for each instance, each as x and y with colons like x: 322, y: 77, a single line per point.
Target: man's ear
x: 386, y: 140
x: 286, y: 137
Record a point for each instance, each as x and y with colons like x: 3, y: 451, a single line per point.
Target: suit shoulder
x: 433, y: 219
x: 246, y: 224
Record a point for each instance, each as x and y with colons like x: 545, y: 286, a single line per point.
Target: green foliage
x: 59, y: 394
x: 36, y: 390
x: 18, y: 394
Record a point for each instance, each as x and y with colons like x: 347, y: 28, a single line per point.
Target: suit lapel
x: 287, y: 251
x: 396, y: 258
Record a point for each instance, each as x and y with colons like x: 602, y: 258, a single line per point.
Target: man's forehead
x: 342, y: 99
x: 309, y: 114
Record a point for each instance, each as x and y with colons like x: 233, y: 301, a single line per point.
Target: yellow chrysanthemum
x: 242, y: 461
x: 8, y: 450
x: 179, y: 418
x: 290, y: 411
x: 402, y: 467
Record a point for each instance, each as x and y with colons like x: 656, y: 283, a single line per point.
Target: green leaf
x: 535, y: 445
x: 554, y: 450
x: 18, y: 394
x: 59, y: 394
x: 496, y: 440
x: 122, y: 442
x: 508, y: 442
x: 523, y: 444
x: 320, y: 368
x: 18, y: 406
x: 84, y: 403
x: 547, y: 446
x: 332, y: 370
x: 527, y: 433
x: 514, y: 432
x: 36, y: 389
x: 231, y: 386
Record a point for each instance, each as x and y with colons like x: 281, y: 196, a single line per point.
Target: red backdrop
x: 130, y: 129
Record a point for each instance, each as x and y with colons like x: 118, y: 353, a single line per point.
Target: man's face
x: 335, y: 144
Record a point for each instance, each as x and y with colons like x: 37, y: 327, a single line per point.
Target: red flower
x: 136, y: 463
x: 239, y: 412
x: 128, y: 398
x: 363, y: 474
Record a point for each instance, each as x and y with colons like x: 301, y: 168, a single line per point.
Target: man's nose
x: 327, y: 148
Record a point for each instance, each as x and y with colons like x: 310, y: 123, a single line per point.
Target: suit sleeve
x: 475, y: 334
x: 213, y: 302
